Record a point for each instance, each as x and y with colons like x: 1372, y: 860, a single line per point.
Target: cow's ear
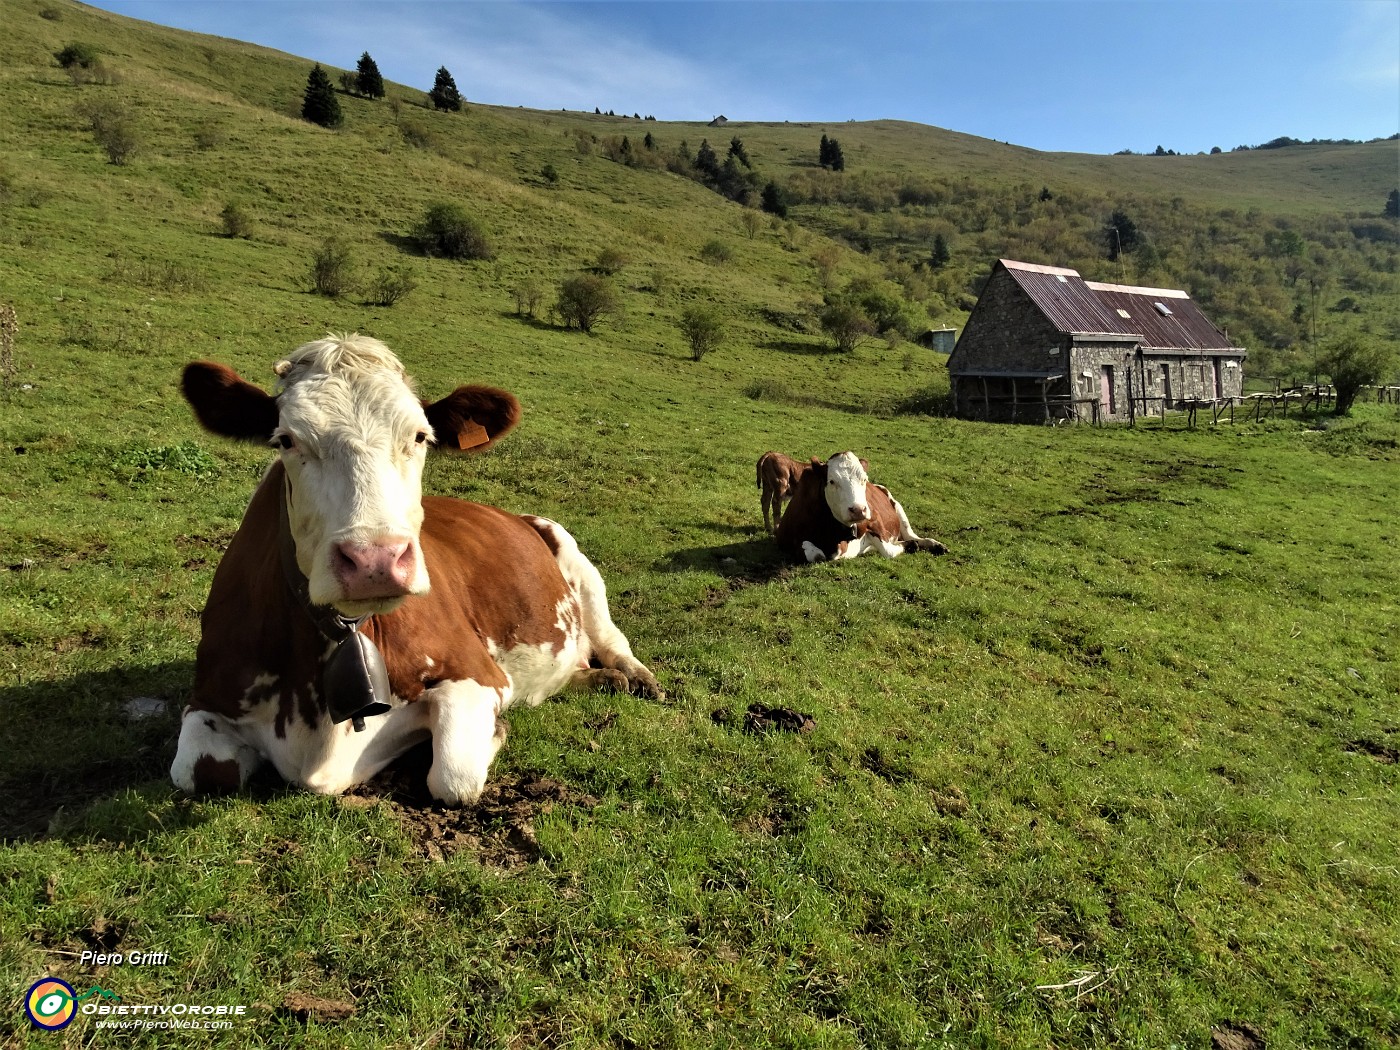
x: 864, y: 465
x: 818, y: 462
x: 228, y: 405
x: 472, y: 417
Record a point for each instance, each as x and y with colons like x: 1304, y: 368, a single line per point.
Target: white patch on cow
x: 600, y: 637
x: 352, y: 437
x: 429, y: 662
x: 207, y: 735
x: 868, y: 543
x: 812, y: 552
x: 845, y: 489
x: 465, y: 741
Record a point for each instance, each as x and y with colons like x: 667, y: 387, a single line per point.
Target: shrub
x: 528, y: 294
x: 703, y: 329
x: 392, y: 284
x: 550, y: 174
x: 611, y: 261
x: 585, y: 300
x: 237, y: 219
x: 1352, y: 361
x: 210, y: 135
x: 76, y: 54
x: 447, y: 230
x: 113, y: 128
x: 846, y: 323
x: 332, y: 267
x: 716, y: 252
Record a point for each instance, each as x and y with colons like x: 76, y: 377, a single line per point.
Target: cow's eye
x: 284, y: 440
x: 421, y: 437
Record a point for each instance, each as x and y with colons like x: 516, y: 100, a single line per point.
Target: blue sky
x: 1091, y: 76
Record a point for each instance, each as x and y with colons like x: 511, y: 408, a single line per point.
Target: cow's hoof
x: 931, y: 546
x: 607, y: 680
x: 644, y: 683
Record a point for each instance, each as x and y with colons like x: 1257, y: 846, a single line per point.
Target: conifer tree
x: 940, y: 256
x: 737, y: 151
x: 368, y: 82
x: 444, y: 95
x: 706, y: 161
x: 774, y: 200
x: 838, y: 159
x: 319, y: 103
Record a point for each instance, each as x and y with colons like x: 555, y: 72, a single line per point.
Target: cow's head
x: 352, y: 436
x: 844, y: 487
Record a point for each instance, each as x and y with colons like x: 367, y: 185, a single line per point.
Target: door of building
x: 1106, y: 401
x: 1166, y: 385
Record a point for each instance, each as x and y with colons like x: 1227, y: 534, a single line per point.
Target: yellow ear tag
x: 471, y: 435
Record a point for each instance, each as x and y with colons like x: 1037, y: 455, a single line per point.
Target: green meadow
x: 1120, y: 770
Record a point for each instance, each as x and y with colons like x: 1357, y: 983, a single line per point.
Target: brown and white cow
x: 837, y: 512
x: 777, y: 475
x: 471, y: 608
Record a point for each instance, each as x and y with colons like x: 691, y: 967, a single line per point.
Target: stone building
x: 1042, y: 343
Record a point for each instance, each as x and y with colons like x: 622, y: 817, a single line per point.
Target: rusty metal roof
x: 1158, y: 318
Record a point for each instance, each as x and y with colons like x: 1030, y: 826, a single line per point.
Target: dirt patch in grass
x: 499, y: 829
x: 1383, y: 753
x: 760, y: 718
x: 308, y: 1007
x: 1230, y: 1036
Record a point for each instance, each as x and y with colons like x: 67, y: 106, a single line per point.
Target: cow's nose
x: 375, y: 570
x: 859, y: 512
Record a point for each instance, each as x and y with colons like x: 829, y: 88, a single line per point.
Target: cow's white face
x: 352, y: 437
x: 845, y: 489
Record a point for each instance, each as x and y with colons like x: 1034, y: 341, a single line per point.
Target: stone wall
x: 1006, y: 332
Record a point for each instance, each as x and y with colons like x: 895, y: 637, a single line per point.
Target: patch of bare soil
x: 1230, y: 1036
x: 1383, y: 753
x: 306, y: 1007
x: 499, y: 829
x: 760, y: 718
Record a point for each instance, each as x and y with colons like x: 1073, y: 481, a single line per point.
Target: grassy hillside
x: 1120, y: 770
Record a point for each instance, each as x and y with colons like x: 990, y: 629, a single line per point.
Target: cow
x: 837, y: 512
x: 778, y: 474
x: 345, y: 591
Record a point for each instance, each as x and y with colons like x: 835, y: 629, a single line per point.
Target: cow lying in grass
x: 836, y: 512
x: 778, y: 475
x: 352, y: 617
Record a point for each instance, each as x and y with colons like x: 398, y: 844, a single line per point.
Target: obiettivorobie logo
x: 52, y: 1004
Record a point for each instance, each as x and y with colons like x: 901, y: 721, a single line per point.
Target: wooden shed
x: 1042, y: 344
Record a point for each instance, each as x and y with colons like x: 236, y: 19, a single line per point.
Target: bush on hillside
x: 113, y: 128
x: 611, y: 261
x: 76, y: 54
x: 585, y: 301
x: 703, y: 329
x: 447, y: 230
x: 716, y: 252
x: 1353, y: 361
x: 391, y: 284
x: 332, y: 268
x: 237, y: 220
x: 528, y: 294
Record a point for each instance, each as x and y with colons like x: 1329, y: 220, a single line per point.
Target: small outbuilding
x: 1044, y: 344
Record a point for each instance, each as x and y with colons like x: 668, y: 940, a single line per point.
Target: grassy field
x: 1120, y: 770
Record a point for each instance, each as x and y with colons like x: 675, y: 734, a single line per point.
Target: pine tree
x: 737, y: 151
x: 824, y: 152
x: 319, y: 103
x: 1392, y: 204
x: 706, y: 161
x: 368, y: 82
x: 838, y: 159
x: 444, y: 95
x: 774, y: 200
x: 939, y: 257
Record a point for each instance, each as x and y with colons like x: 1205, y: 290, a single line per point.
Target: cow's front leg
x: 211, y: 757
x: 868, y: 543
x: 466, y: 737
x: 348, y: 758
